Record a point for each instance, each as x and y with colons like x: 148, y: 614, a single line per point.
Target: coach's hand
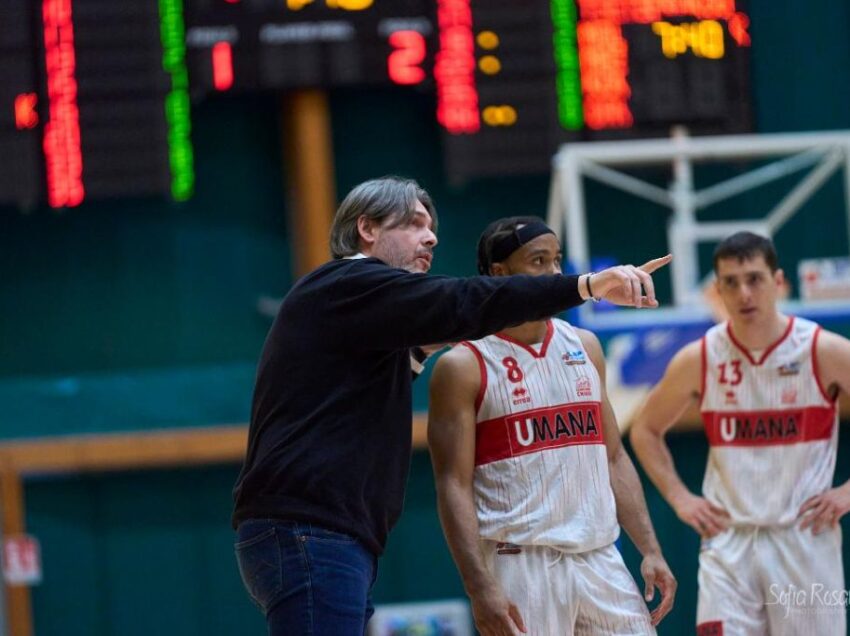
x: 701, y: 515
x: 824, y: 510
x: 494, y: 614
x: 656, y: 573
x: 622, y: 284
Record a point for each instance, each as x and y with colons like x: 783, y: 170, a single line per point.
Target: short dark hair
x: 744, y: 246
x: 377, y: 199
x: 494, y: 233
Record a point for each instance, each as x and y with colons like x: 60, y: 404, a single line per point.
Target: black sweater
x: 330, y: 435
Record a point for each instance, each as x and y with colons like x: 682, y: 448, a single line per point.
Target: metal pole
x: 577, y: 241
x: 680, y: 231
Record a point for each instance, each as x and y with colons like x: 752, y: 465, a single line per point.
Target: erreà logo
x: 557, y: 426
x: 521, y: 396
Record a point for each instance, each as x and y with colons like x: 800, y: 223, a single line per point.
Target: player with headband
x: 533, y: 482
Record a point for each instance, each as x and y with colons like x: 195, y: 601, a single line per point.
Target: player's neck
x: 528, y: 332
x: 761, y: 334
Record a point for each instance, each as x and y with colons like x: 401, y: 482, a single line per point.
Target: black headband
x: 509, y: 244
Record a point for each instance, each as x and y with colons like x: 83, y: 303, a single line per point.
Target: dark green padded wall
x: 144, y: 283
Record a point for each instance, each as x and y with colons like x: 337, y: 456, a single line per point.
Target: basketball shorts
x: 771, y: 581
x: 569, y: 594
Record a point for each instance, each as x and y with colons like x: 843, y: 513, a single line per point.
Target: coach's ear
x: 369, y: 231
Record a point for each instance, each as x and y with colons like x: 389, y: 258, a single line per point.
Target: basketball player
x: 766, y: 385
x: 531, y: 475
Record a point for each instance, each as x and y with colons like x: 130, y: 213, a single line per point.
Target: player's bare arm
x: 451, y: 437
x: 665, y: 405
x: 632, y: 513
x: 833, y: 356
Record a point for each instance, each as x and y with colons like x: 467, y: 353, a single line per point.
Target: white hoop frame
x: 824, y: 153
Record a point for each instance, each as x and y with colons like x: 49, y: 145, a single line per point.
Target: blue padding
x: 652, y: 352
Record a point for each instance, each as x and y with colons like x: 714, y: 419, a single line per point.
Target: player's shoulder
x: 688, y: 358
x: 458, y: 371
x: 461, y: 358
x: 831, y: 343
x: 691, y: 350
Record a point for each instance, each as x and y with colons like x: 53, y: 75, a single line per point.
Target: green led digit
x: 177, y: 111
x: 568, y: 79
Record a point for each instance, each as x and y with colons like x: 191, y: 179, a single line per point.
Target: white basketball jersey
x: 541, y: 467
x: 772, y: 429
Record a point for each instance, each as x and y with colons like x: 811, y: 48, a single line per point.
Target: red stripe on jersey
x: 768, y: 428
x: 482, y: 370
x: 538, y: 429
x: 815, y: 370
x: 704, y: 370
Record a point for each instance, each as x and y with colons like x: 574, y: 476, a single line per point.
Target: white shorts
x: 777, y: 581
x: 565, y: 594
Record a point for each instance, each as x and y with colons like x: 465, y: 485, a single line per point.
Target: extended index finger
x: 656, y: 263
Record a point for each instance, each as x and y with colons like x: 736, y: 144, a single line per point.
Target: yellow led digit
x: 297, y: 5
x: 499, y: 115
x: 704, y: 38
x: 487, y: 40
x: 489, y: 65
x: 711, y: 39
x: 350, y: 5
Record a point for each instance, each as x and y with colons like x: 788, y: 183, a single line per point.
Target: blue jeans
x: 306, y: 580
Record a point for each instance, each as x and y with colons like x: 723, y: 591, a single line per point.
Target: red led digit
x: 403, y: 63
x: 454, y: 69
x: 738, y: 24
x: 25, y: 115
x: 62, y: 146
x: 222, y: 59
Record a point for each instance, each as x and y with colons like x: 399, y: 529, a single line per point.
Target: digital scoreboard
x: 582, y: 70
x: 95, y: 95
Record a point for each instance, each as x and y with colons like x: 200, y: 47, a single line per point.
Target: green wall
x: 128, y: 315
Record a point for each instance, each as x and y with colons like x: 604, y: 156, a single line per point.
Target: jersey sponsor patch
x: 571, y: 358
x: 537, y: 430
x: 768, y: 428
x: 791, y: 368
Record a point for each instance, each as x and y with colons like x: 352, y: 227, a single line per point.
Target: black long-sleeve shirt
x: 330, y: 435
